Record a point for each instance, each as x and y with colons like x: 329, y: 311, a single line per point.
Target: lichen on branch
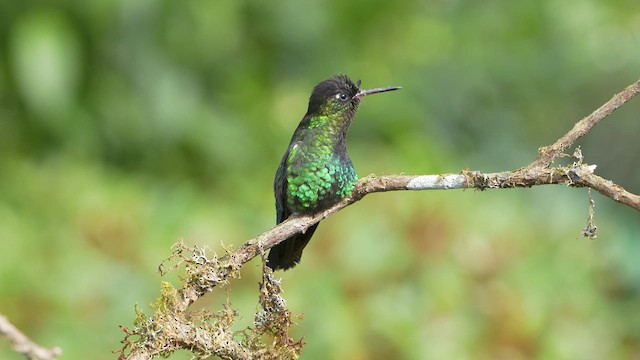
x: 171, y: 327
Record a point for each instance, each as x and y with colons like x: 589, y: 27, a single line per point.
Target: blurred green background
x: 128, y: 125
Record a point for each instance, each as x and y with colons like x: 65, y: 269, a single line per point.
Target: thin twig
x: 548, y: 153
x: 611, y: 190
x: 22, y: 344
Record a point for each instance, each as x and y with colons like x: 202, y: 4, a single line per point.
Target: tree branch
x: 22, y: 344
x: 610, y: 190
x: 205, y: 274
x: 548, y: 153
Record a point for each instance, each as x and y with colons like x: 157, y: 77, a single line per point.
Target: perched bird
x: 315, y: 171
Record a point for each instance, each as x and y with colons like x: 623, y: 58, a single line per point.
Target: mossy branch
x: 172, y: 327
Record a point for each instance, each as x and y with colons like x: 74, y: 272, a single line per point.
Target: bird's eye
x: 342, y: 96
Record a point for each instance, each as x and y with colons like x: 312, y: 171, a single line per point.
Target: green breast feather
x: 317, y: 179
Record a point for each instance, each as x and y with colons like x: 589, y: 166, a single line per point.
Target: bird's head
x: 339, y: 95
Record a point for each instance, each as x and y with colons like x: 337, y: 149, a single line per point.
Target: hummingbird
x: 316, y: 171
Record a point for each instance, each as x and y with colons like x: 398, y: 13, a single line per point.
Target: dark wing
x: 286, y: 254
x: 280, y: 190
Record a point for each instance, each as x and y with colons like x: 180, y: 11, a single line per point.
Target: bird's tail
x: 287, y: 254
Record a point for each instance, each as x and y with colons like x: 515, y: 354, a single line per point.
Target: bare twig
x: 611, y: 190
x: 22, y: 344
x: 548, y: 153
x: 213, y: 273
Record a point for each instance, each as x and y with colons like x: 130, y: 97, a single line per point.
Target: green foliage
x: 127, y: 125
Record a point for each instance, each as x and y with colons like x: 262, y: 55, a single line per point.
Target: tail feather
x: 287, y: 254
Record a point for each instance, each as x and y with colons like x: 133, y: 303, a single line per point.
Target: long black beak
x: 363, y: 93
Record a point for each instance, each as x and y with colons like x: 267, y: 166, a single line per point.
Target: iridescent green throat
x: 319, y: 171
